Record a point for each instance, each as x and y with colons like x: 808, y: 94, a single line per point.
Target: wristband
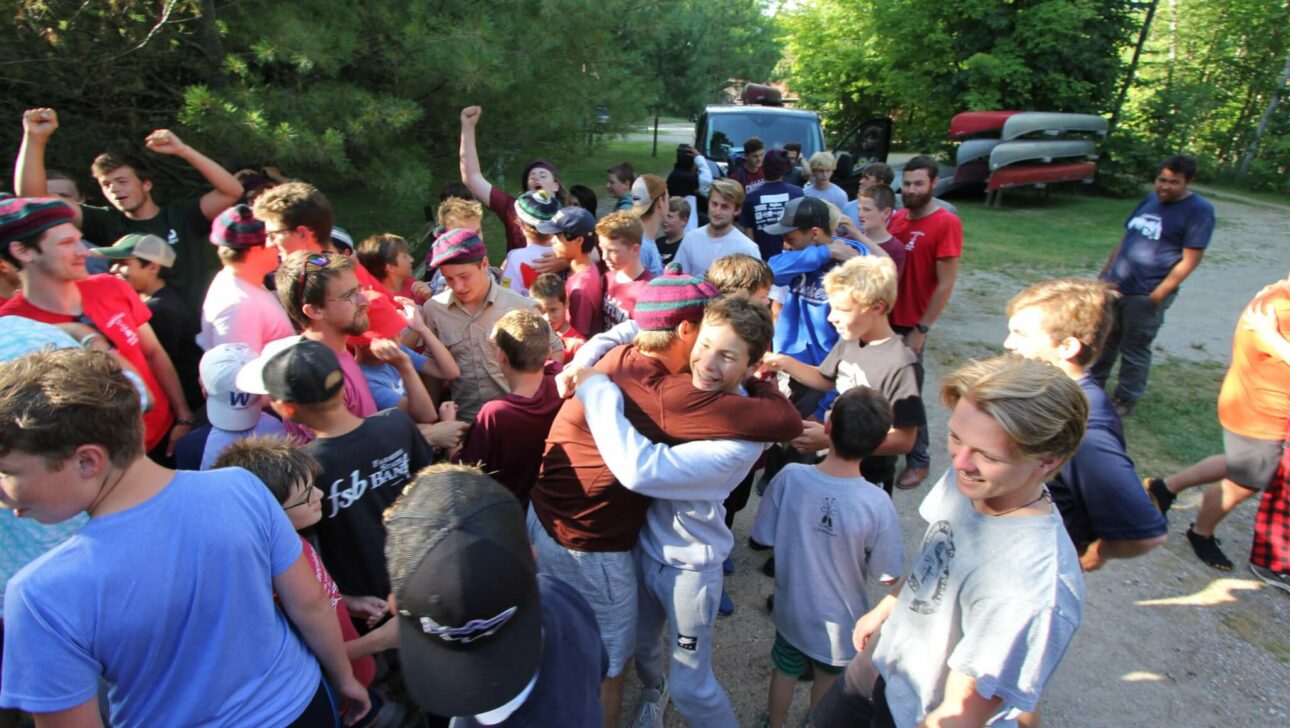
x: 922, y: 329
x: 86, y: 339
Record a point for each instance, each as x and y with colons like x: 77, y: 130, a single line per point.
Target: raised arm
x: 791, y: 263
x: 471, y: 174
x: 227, y: 190
x: 29, y: 176
x: 417, y: 403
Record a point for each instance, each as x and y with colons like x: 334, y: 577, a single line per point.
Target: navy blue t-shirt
x: 1156, y: 234
x: 765, y: 206
x: 1098, y: 490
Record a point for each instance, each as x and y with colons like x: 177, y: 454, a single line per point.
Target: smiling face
x: 986, y: 464
x: 540, y: 178
x: 123, y: 188
x: 719, y: 360
x: 721, y: 212
x: 852, y: 320
x: 616, y: 187
x: 138, y: 273
x: 1028, y: 337
x: 61, y: 254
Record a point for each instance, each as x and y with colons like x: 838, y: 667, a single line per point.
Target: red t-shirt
x: 585, y: 292
x: 620, y: 297
x: 509, y: 435
x: 572, y: 340
x: 364, y: 667
x: 503, y: 206
x: 927, y: 240
x: 117, y: 312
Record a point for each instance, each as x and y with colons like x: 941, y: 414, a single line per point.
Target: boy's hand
x: 550, y: 263
x: 444, y: 434
x: 470, y: 116
x: 354, y: 699
x: 371, y: 609
x: 39, y: 123
x: 389, y: 351
x: 448, y: 412
x: 842, y: 252
x: 386, y: 636
x: 421, y: 289
x: 812, y: 438
x: 164, y: 141
x: 871, y: 622
x: 772, y: 362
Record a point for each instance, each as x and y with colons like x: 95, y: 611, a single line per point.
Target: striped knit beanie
x: 672, y: 298
x: 459, y: 245
x: 536, y: 207
x: 23, y: 217
x: 237, y: 228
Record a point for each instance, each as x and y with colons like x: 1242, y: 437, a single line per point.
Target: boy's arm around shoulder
x: 764, y: 415
x: 792, y: 263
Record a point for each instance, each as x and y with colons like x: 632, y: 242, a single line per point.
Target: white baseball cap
x: 228, y: 407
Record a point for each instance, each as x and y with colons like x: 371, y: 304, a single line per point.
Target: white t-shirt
x: 995, y: 598
x: 513, y: 274
x: 831, y: 536
x: 698, y: 249
x: 236, y: 311
x: 833, y: 194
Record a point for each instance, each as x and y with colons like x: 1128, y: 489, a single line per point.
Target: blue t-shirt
x: 386, y: 384
x: 803, y: 330
x: 1155, y: 235
x: 764, y: 207
x: 171, y: 602
x: 1098, y: 491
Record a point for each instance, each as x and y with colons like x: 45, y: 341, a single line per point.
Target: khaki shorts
x: 1251, y: 463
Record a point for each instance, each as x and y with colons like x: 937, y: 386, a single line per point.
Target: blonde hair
x: 1072, y: 308
x: 652, y: 342
x: 621, y: 226
x: 739, y: 272
x: 456, y: 210
x: 730, y: 190
x: 1041, y: 409
x: 823, y: 160
x: 525, y: 338
x: 866, y: 279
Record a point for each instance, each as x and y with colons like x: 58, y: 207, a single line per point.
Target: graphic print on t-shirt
x: 769, y: 210
x: 914, y: 235
x: 392, y: 467
x: 829, y: 509
x: 1148, y: 226
x: 931, y: 571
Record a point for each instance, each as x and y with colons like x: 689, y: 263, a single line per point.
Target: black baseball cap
x: 802, y: 213
x: 466, y: 592
x: 293, y: 369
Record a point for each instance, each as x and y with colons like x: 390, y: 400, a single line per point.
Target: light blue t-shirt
x: 171, y: 602
x: 384, y: 380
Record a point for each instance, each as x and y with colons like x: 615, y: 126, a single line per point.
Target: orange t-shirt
x: 1255, y: 398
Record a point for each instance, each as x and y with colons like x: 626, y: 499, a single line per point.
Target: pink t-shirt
x: 358, y: 397
x: 364, y: 667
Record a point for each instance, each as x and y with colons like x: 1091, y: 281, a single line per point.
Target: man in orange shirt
x: 1253, y: 407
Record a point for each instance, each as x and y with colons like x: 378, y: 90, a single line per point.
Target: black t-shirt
x: 889, y: 367
x: 364, y: 471
x: 667, y: 250
x: 574, y: 663
x: 177, y: 327
x: 182, y: 224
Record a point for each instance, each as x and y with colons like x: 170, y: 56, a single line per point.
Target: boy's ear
x: 285, y: 410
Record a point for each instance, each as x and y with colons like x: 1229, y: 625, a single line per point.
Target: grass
x: 1176, y: 422
x: 1032, y: 237
x: 1241, y: 194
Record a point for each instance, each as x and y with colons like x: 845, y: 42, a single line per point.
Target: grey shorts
x: 1251, y: 463
x: 606, y: 579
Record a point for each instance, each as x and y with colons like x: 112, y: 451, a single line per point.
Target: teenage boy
x: 868, y: 353
x: 387, y: 258
x: 834, y: 533
x: 127, y: 186
x: 509, y: 433
x: 995, y: 594
x: 232, y: 413
x: 1107, y: 513
x: 933, y: 244
x: 650, y: 202
x: 765, y: 206
x: 618, y: 182
x: 553, y: 303
x: 575, y: 240
x: 822, y: 166
x: 719, y: 237
x: 38, y: 237
x: 519, y: 268
x: 874, y: 208
x: 620, y: 235
x: 71, y: 442
x: 685, y: 539
x: 672, y: 229
x: 751, y: 173
x: 463, y: 317
x: 365, y: 462
x: 583, y: 523
x: 139, y: 261
x: 238, y: 308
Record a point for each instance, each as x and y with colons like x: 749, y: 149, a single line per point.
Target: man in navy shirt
x: 1105, y: 509
x: 765, y: 206
x: 1164, y: 240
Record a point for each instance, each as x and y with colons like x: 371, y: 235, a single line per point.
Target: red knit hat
x: 672, y: 298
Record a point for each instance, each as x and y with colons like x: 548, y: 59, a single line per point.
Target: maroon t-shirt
x: 585, y: 291
x: 509, y: 434
x: 895, y: 247
x: 576, y: 497
x: 503, y: 206
x: 620, y: 297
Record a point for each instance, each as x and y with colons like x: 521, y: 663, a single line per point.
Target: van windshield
x: 726, y: 133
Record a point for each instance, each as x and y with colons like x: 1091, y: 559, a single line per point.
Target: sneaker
x: 1278, y: 579
x: 728, y: 566
x: 653, y: 704
x: 1160, y: 493
x: 768, y: 568
x: 726, y: 606
x: 1123, y: 407
x: 1208, y: 551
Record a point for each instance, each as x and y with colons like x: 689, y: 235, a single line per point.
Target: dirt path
x: 1166, y: 641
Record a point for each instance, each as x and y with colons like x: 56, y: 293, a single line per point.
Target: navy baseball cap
x: 572, y: 222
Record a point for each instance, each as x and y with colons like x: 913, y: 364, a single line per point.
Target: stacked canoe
x: 1014, y: 148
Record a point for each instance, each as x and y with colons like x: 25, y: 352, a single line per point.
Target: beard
x: 359, y: 325
x: 914, y: 202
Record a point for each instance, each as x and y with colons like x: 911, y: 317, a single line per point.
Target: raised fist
x: 39, y: 123
x: 470, y: 115
x: 164, y: 141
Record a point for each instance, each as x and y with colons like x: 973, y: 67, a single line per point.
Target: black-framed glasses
x: 317, y: 259
x: 309, y: 498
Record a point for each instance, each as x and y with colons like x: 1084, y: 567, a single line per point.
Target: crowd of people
x: 262, y: 474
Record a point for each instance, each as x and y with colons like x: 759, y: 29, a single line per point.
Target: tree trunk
x: 1133, y: 64
x: 209, y: 41
x: 1263, y: 121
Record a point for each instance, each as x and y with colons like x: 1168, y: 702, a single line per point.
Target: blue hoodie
x: 802, y: 330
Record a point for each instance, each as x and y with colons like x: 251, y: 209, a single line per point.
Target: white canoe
x: 1051, y: 123
x: 1043, y: 150
x: 974, y: 149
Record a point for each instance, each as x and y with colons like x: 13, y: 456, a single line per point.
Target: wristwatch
x: 922, y: 329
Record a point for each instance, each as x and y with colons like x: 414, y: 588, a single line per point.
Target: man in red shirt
x: 37, y: 235
x: 934, y: 242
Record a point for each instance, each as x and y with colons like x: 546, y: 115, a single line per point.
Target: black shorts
x: 845, y: 705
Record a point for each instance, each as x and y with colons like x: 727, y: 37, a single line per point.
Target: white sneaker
x: 653, y: 704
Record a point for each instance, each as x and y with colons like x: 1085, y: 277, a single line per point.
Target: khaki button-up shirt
x: 466, y: 336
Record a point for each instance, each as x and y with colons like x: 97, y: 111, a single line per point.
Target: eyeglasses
x: 309, y: 498
x: 356, y: 297
x: 271, y: 234
x: 318, y: 259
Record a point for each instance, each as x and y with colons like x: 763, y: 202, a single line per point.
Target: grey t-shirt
x: 831, y: 535
x: 995, y: 598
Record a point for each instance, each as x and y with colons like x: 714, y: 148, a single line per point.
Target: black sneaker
x: 1123, y: 407
x: 768, y: 568
x: 1160, y: 493
x: 1278, y: 579
x: 1207, y: 550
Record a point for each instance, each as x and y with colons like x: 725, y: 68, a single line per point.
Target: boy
x: 673, y: 228
x: 860, y: 295
x: 618, y: 182
x: 822, y: 166
x: 874, y: 206
x: 238, y: 307
x: 620, y: 247
x: 365, y: 462
x: 519, y: 268
x: 552, y: 300
x: 740, y: 273
x: 139, y: 260
x: 386, y: 257
x: 575, y: 238
x: 832, y: 531
x: 719, y: 237
x: 232, y: 413
x: 509, y: 433
x: 71, y: 441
